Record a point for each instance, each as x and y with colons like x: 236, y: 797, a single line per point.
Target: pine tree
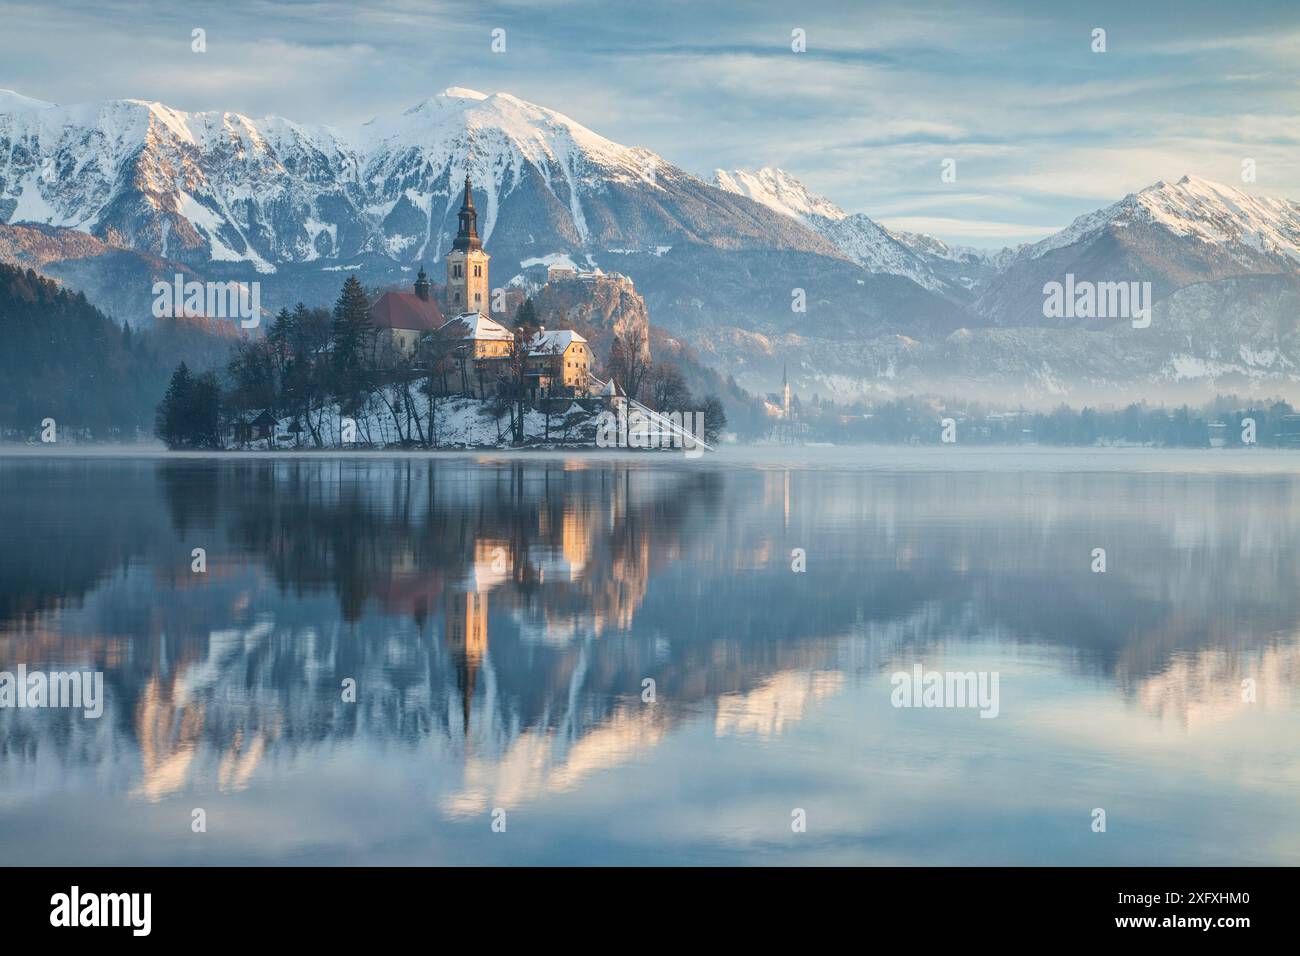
x: 352, y: 341
x: 281, y: 333
x: 169, y: 423
x: 526, y: 315
x: 204, y: 414
x: 189, y: 416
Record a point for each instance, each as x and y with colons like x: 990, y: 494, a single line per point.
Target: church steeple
x: 422, y: 284
x: 467, y: 234
x: 467, y: 263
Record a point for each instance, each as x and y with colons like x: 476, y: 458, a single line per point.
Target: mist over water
x: 500, y: 614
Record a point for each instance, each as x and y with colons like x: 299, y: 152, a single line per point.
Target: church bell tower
x: 467, y: 264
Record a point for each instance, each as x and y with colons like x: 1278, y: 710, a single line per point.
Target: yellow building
x: 477, y: 345
x: 559, y: 362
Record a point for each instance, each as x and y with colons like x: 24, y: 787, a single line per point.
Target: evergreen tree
x: 352, y: 345
x: 170, y: 422
x: 281, y: 336
x: 205, y: 412
x: 526, y: 315
x: 189, y: 416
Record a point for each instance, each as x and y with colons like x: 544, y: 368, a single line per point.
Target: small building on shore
x: 476, y: 345
x: 559, y: 364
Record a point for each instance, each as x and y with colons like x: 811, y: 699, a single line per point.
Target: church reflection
x: 511, y: 610
x: 466, y: 619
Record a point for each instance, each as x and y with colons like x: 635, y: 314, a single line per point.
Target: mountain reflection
x: 510, y: 610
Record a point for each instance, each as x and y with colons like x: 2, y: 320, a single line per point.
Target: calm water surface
x: 499, y: 617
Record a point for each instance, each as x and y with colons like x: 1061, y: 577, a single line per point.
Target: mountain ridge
x: 719, y: 263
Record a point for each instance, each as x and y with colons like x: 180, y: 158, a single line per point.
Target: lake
x: 605, y: 659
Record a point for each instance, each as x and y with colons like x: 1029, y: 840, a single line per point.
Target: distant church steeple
x: 422, y: 284
x: 467, y: 263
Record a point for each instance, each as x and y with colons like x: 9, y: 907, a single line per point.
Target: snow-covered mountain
x: 1223, y: 267
x: 776, y: 189
x: 1169, y: 234
x: 195, y: 187
x: 969, y: 267
x: 216, y: 186
x: 299, y: 205
x: 856, y: 236
x: 227, y: 196
x: 1250, y: 230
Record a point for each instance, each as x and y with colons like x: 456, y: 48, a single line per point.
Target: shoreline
x: 1009, y: 459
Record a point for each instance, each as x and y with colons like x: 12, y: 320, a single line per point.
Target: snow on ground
x: 458, y: 421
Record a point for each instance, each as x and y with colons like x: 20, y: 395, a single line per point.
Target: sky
x: 1041, y: 127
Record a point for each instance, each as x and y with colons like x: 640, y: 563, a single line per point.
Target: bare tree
x: 434, y: 356
x: 667, y: 391
x: 629, y: 359
x: 515, y: 366
x: 393, y: 371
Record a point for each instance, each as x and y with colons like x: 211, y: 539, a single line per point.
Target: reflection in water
x: 499, y: 618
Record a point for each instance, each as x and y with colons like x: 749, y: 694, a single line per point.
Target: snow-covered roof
x: 553, y: 341
x: 476, y: 325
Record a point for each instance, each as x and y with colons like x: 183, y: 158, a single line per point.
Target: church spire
x: 467, y: 233
x: 467, y: 262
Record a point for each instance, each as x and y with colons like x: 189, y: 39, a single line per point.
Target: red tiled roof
x: 405, y: 310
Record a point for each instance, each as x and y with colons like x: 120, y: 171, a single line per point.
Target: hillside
x: 64, y: 359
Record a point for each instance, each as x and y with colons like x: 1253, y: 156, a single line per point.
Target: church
x: 559, y: 363
x: 408, y: 316
x: 467, y: 263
